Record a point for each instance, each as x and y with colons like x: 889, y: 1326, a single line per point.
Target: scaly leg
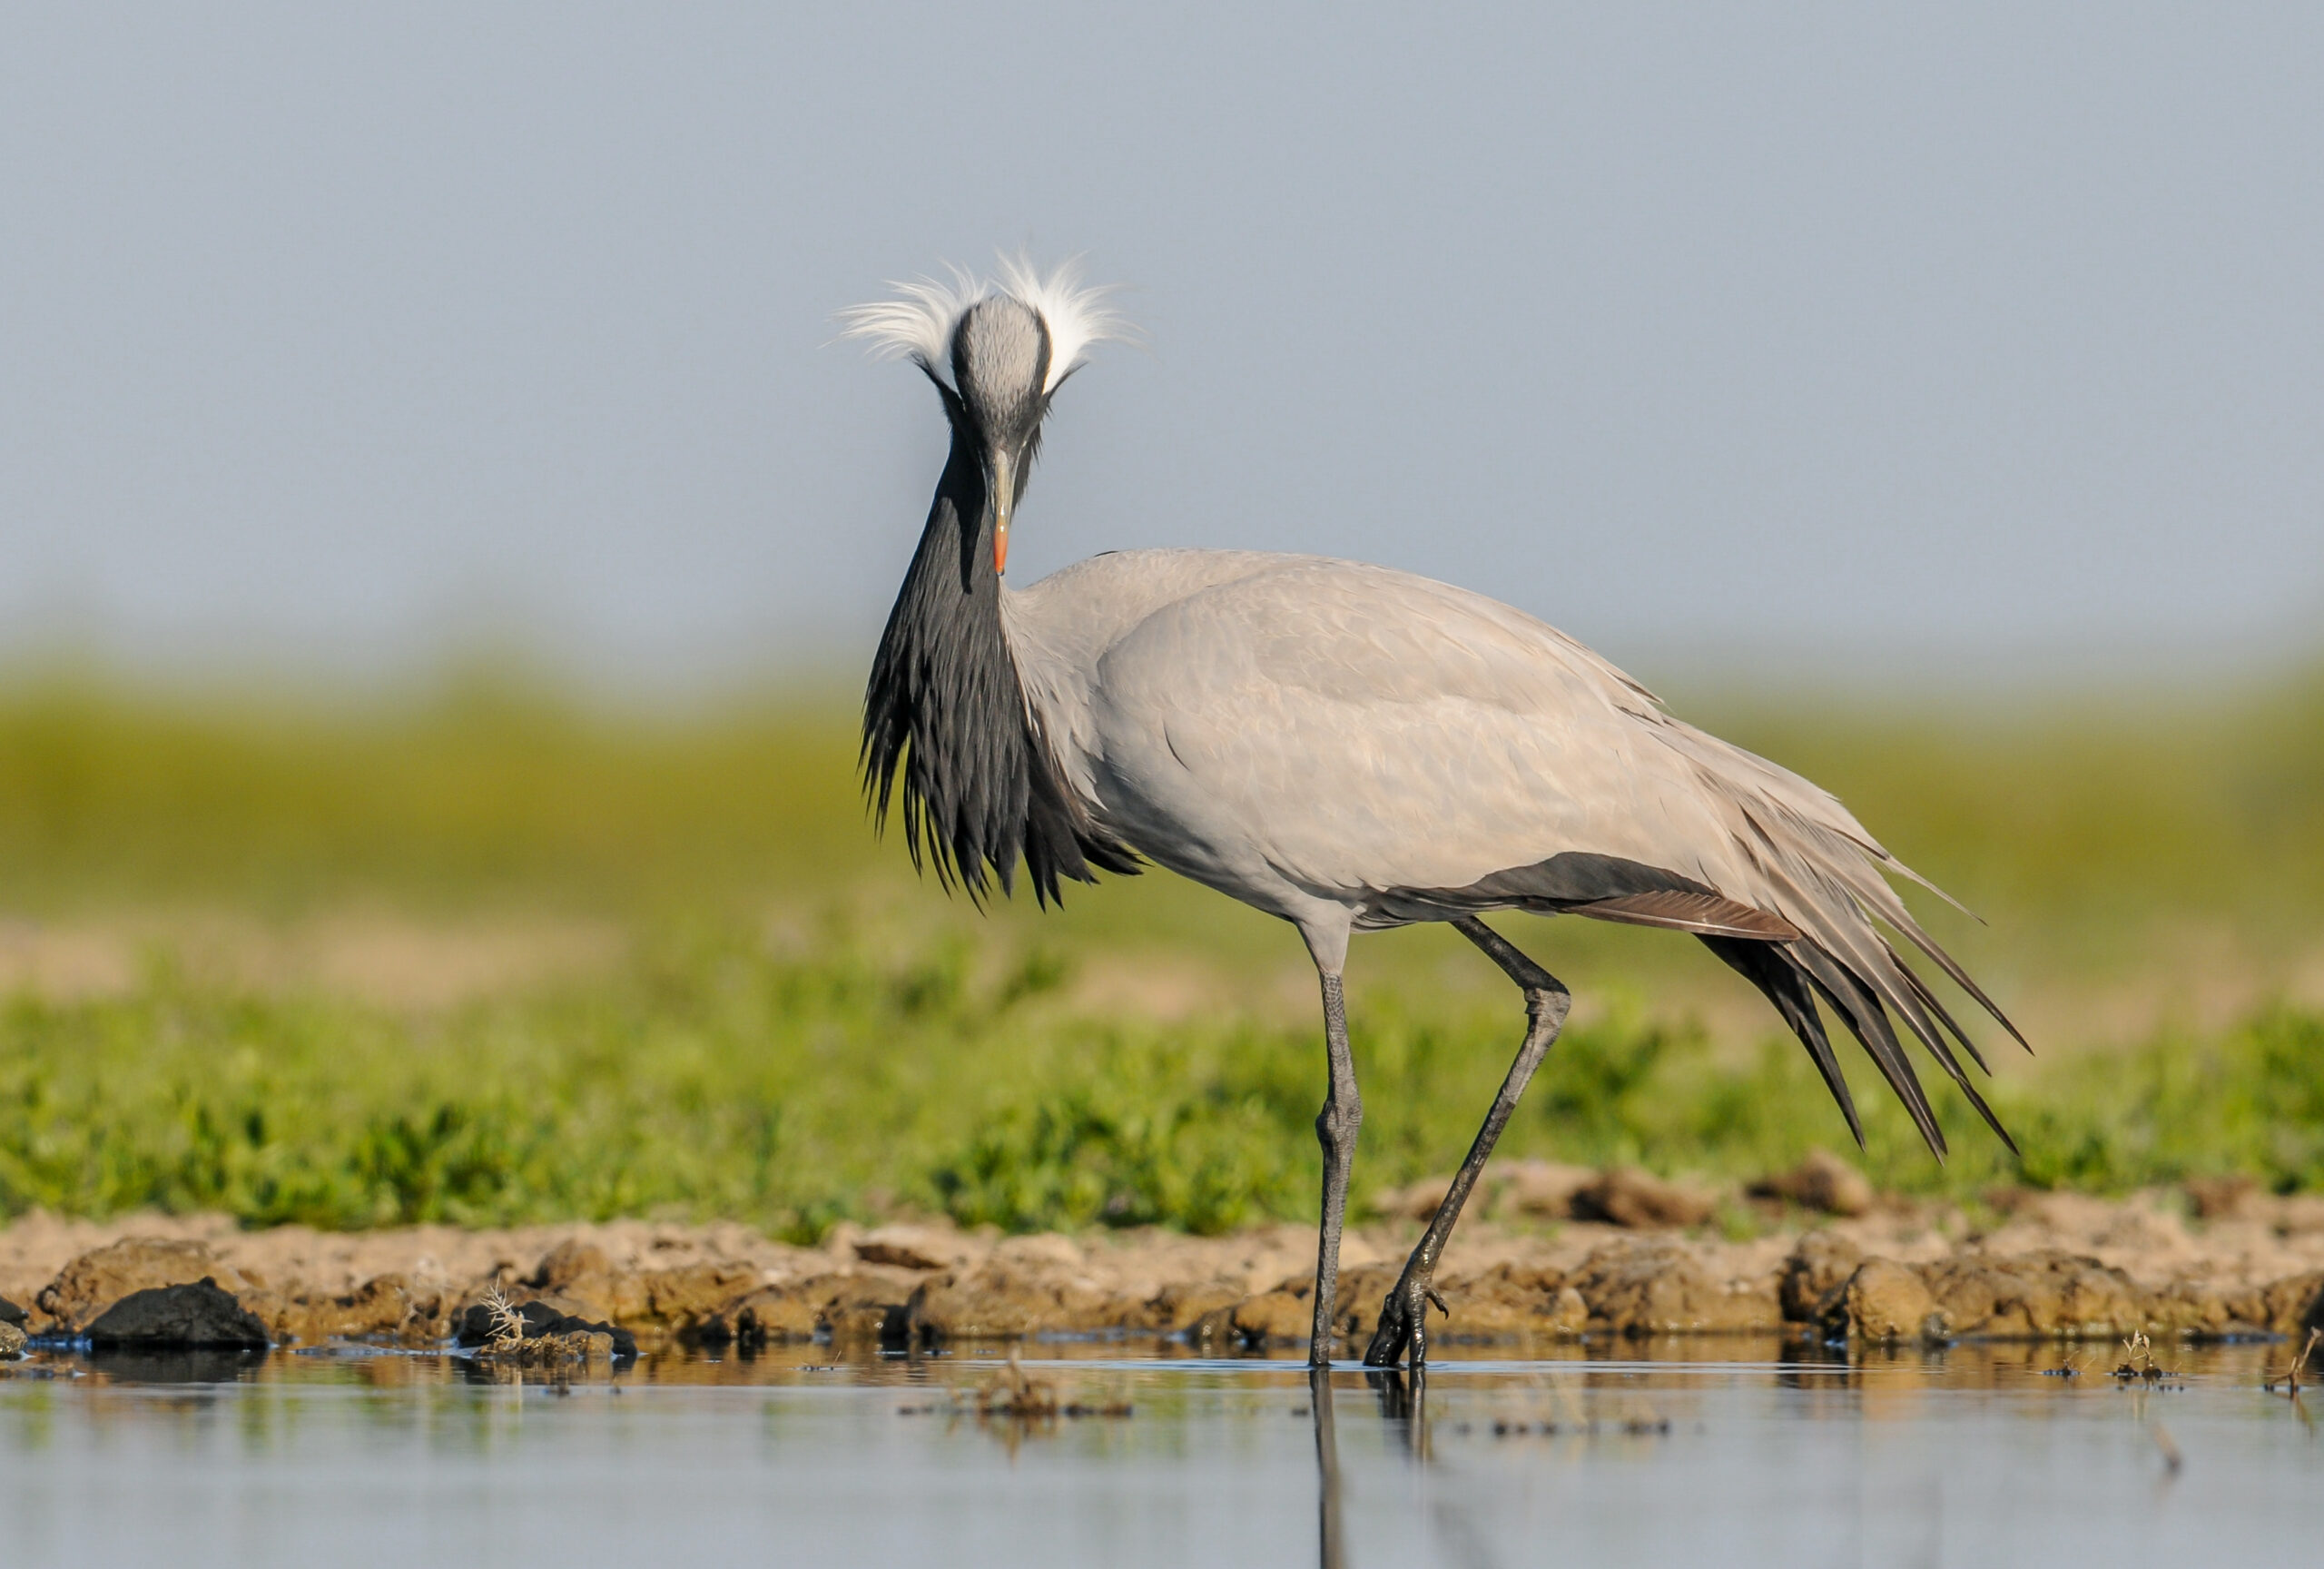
x: 1335, y: 1127
x: 1403, y: 1316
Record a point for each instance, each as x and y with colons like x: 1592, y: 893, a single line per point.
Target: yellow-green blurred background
x: 481, y: 949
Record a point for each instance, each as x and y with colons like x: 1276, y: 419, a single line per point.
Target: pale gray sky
x: 329, y: 334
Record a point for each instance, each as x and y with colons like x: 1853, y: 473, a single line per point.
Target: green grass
x: 717, y: 1078
x: 908, y: 1054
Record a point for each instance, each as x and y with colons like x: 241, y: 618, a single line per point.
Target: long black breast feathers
x: 945, y: 715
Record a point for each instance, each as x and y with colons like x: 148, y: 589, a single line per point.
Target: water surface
x: 1623, y: 1455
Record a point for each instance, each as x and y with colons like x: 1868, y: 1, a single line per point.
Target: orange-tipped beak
x: 1000, y: 477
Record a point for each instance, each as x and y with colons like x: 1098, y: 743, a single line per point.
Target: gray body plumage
x: 1352, y: 747
x: 1347, y: 748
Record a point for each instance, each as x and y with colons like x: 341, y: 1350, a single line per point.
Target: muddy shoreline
x: 2221, y: 1261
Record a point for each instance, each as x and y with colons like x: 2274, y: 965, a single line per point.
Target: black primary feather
x: 1783, y: 984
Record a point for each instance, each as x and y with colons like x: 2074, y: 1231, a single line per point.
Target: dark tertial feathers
x: 1606, y: 887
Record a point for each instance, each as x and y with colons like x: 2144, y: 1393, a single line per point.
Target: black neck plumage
x: 945, y: 715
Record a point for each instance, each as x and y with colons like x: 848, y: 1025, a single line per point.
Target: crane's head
x: 997, y: 352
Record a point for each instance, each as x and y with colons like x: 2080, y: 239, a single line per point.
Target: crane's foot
x: 1403, y: 1323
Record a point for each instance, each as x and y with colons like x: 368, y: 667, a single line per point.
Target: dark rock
x: 477, y: 1325
x: 199, y: 1315
x: 95, y: 1282
x: 711, y: 1333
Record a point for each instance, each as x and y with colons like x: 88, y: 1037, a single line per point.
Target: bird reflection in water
x: 1404, y: 1405
x: 1329, y: 1553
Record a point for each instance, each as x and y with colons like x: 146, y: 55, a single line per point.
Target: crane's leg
x: 1335, y: 1127
x: 1403, y: 1316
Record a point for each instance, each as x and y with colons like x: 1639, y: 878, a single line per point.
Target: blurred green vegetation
x: 2075, y: 815
x: 485, y: 786
x: 796, y: 1032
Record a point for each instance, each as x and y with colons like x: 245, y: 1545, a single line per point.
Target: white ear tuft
x: 919, y: 322
x: 1076, y: 317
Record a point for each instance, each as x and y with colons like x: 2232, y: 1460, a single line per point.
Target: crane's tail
x: 1793, y: 975
x: 1812, y: 865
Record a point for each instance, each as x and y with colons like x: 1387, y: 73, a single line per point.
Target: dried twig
x: 508, y: 1324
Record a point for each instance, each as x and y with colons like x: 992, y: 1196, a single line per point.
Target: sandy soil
x: 2100, y: 1266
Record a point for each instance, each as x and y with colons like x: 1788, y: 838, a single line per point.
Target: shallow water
x: 1970, y: 1456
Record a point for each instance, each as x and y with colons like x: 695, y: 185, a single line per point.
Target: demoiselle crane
x: 1348, y: 747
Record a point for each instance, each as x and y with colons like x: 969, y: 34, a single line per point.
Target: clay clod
x: 1006, y: 1300
x: 384, y: 1306
x: 1656, y: 1287
x: 1627, y: 1196
x: 1885, y: 1301
x: 1822, y: 1181
x: 1814, y: 1273
x: 2223, y: 1197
